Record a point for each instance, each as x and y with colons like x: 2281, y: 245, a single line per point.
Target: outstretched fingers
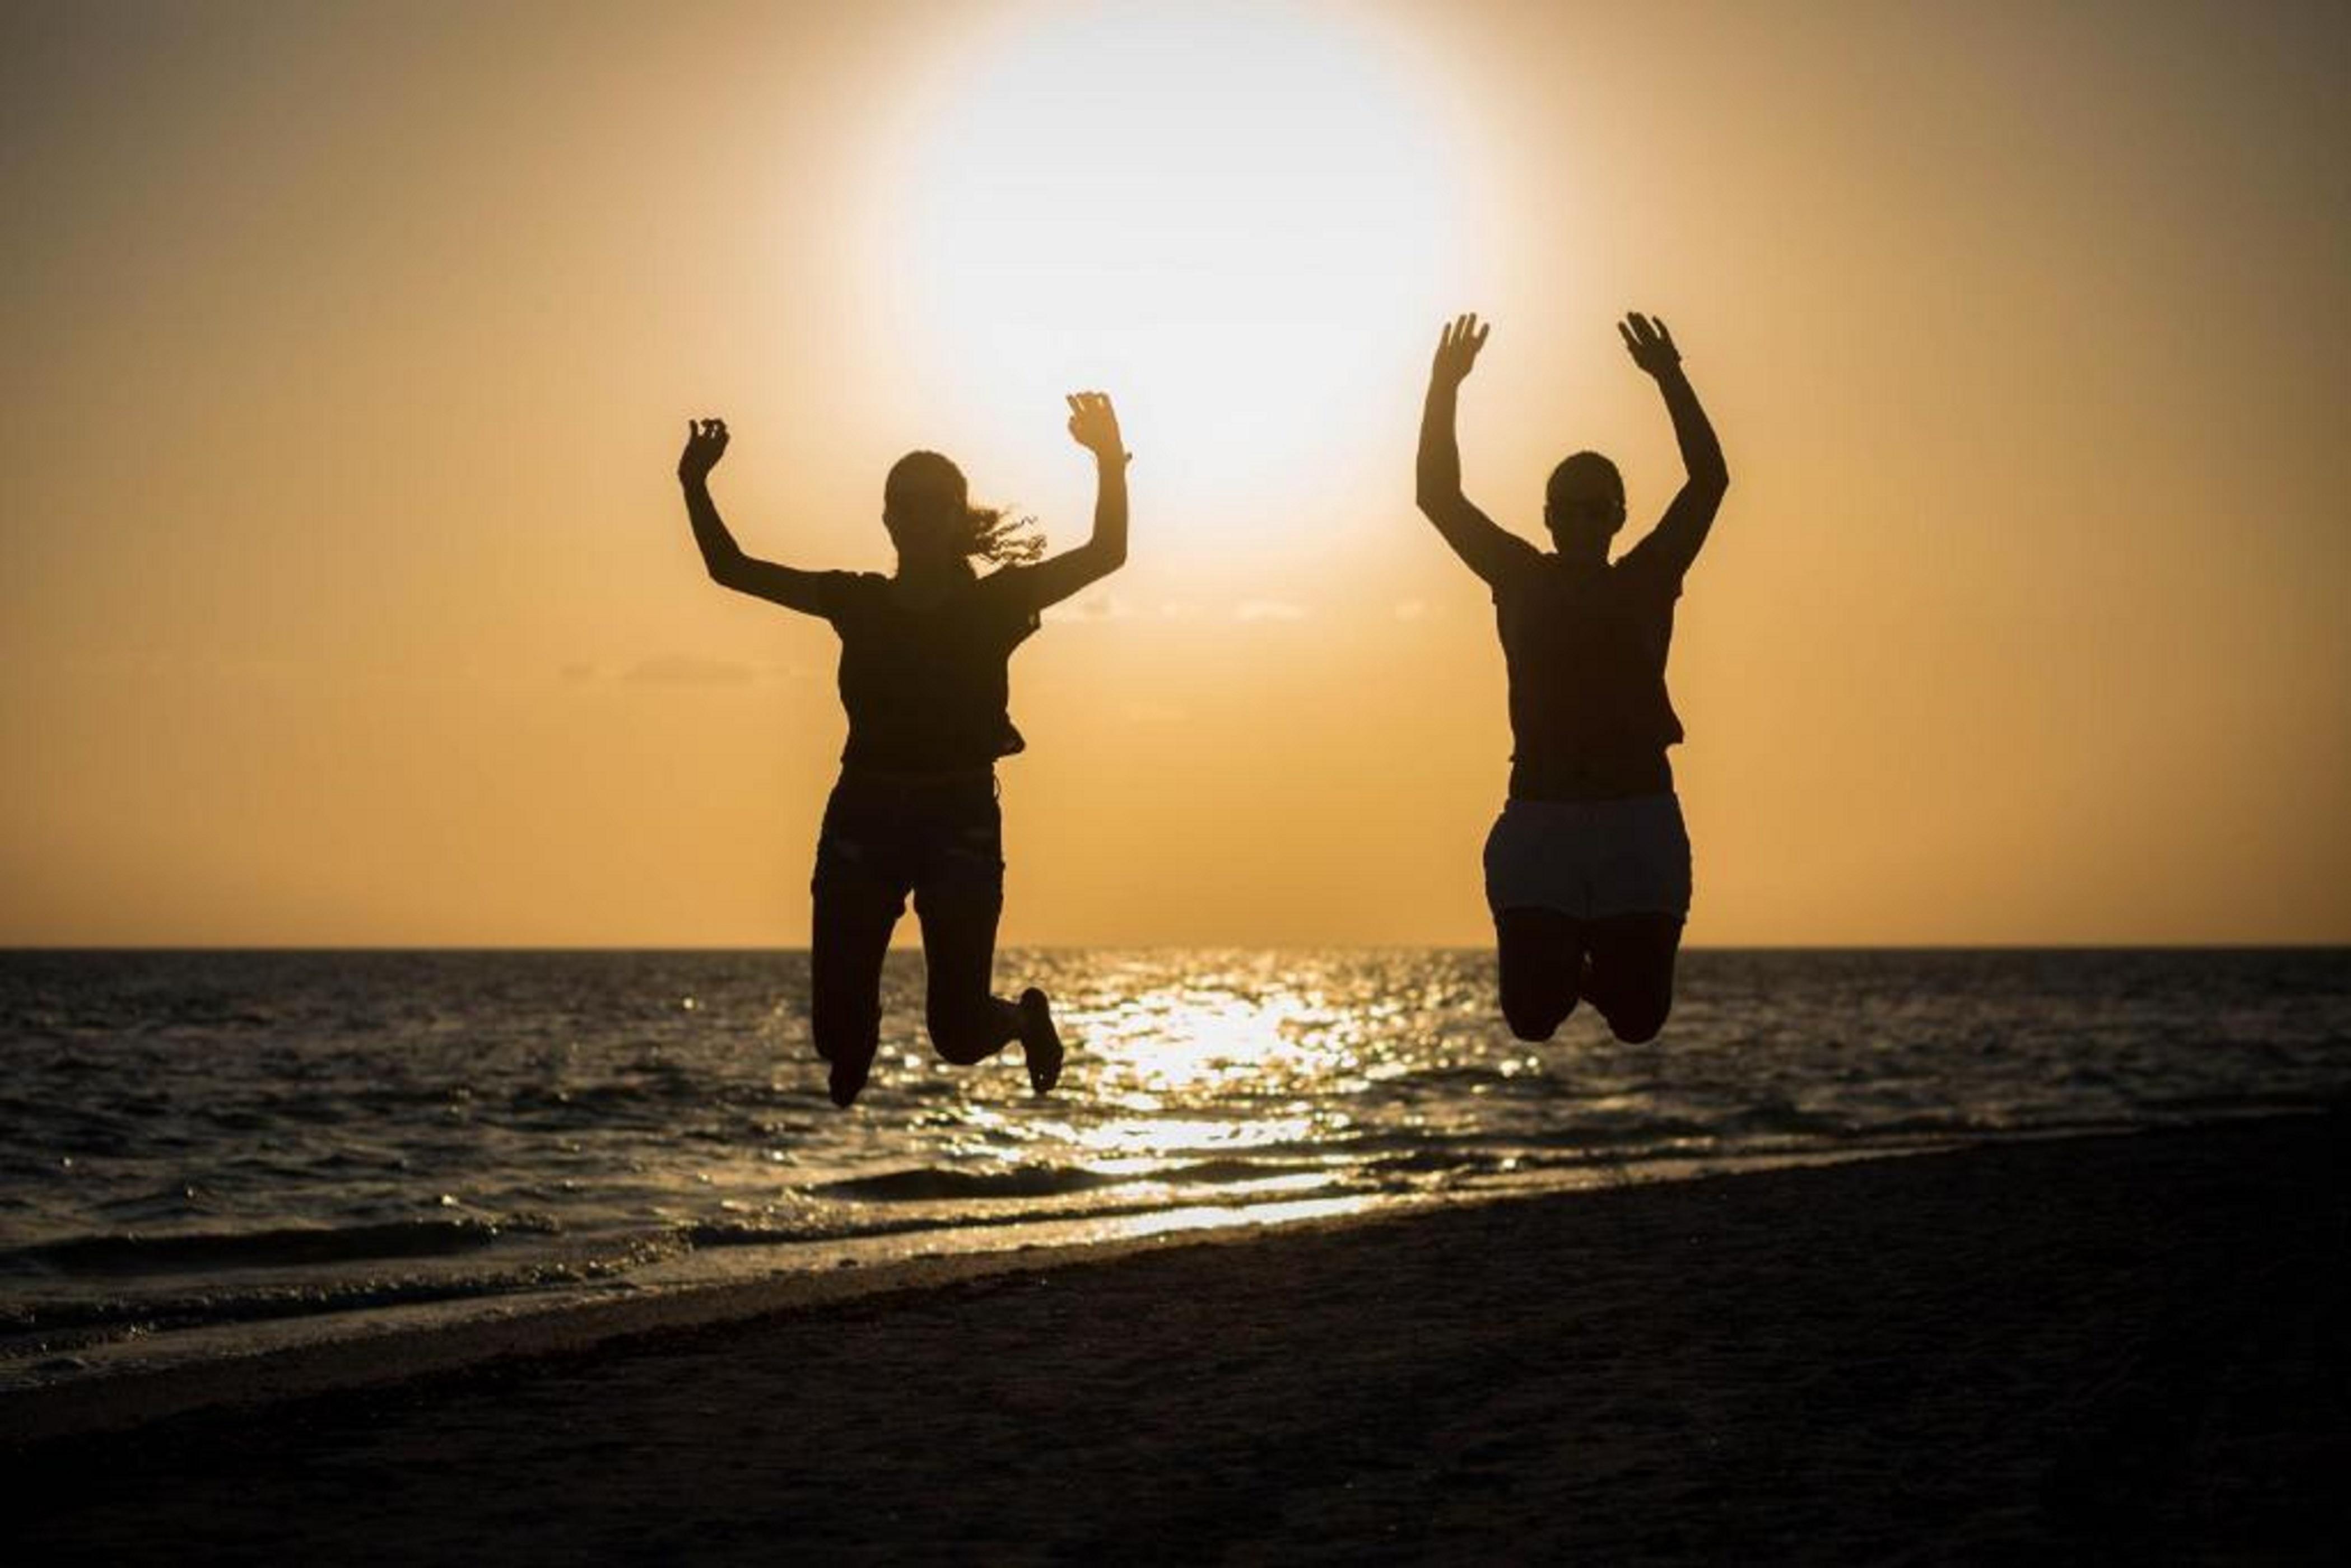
x: 1457, y: 345
x: 1650, y: 345
x: 1093, y: 424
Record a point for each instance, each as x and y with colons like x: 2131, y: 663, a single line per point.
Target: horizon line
x: 521, y: 947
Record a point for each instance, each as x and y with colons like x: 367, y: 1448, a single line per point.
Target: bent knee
x: 1536, y: 1019
x: 964, y: 1036
x: 1639, y: 1025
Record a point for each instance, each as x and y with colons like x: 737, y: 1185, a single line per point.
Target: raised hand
x: 1094, y: 425
x: 1456, y: 349
x: 1651, y: 345
x: 706, y: 443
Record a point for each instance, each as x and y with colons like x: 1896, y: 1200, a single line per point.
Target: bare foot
x: 1040, y: 1044
x: 846, y: 1078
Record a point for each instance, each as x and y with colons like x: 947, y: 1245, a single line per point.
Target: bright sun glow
x: 1235, y: 220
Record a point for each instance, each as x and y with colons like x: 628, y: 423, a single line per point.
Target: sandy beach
x: 2129, y: 1348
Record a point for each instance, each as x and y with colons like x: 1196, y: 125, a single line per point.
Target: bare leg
x: 1632, y: 978
x: 1541, y: 953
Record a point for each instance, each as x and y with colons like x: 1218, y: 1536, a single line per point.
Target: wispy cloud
x: 1091, y: 607
x: 687, y: 670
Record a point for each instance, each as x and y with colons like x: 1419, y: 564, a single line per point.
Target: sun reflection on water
x: 1223, y: 1038
x: 1133, y: 1139
x: 1197, y: 1081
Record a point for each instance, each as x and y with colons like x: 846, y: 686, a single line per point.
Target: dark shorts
x: 1589, y: 858
x: 901, y: 837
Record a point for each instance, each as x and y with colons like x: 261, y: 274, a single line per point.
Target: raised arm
x: 1094, y: 425
x: 1488, y: 548
x: 706, y: 443
x: 1690, y: 515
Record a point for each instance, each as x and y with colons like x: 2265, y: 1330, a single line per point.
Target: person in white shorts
x: 1588, y: 867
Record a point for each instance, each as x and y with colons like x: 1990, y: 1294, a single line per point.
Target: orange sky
x: 345, y: 595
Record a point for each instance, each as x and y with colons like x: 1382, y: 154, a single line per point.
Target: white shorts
x: 1589, y: 858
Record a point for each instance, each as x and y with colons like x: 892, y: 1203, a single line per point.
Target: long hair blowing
x: 925, y: 484
x: 1002, y: 538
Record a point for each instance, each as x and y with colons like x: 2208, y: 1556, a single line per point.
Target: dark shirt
x: 1586, y: 646
x: 925, y: 690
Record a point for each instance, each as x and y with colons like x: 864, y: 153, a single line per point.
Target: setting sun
x: 1239, y: 219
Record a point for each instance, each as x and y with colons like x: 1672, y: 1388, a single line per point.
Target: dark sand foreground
x: 2128, y: 1349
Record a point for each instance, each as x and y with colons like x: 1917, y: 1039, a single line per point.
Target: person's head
x: 1583, y: 504
x: 927, y: 508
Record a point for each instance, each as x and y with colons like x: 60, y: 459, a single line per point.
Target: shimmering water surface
x: 200, y: 1138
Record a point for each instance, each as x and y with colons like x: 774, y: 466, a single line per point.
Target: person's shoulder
x: 851, y: 593
x: 1649, y: 568
x: 1517, y: 566
x: 1011, y: 593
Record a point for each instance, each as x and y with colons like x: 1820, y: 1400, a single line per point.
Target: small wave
x: 1229, y: 1170
x: 196, y: 1251
x: 931, y: 1183
x: 39, y: 1322
x: 870, y: 1225
x: 709, y: 1235
x: 1784, y: 1117
x: 1472, y: 1078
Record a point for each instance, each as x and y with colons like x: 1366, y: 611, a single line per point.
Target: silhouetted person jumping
x: 923, y: 677
x: 1588, y: 867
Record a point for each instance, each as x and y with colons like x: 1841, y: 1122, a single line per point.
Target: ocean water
x: 191, y: 1142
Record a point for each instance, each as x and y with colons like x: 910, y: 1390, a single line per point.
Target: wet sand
x: 2131, y: 1348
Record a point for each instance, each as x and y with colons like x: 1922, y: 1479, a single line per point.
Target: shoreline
x: 2109, y: 1343
x: 146, y: 1375
x: 274, y: 1360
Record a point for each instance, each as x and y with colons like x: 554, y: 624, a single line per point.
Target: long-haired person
x: 1588, y: 867
x: 922, y: 678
